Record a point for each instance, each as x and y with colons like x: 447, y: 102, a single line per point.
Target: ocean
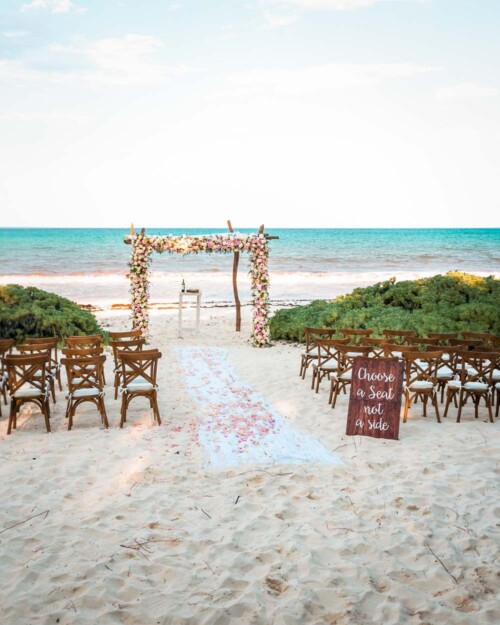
x: 89, y: 265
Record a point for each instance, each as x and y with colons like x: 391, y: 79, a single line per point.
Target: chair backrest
x: 51, y: 340
x: 347, y: 355
x: 478, y: 366
x: 327, y: 349
x: 6, y: 346
x: 395, y: 350
x: 313, y: 334
x: 135, y: 345
x: 443, y: 338
x: 70, y: 352
x: 352, y: 334
x: 482, y: 336
x: 420, y: 342
x: 125, y: 336
x: 85, y: 373
x: 27, y: 369
x: 377, y: 345
x: 139, y: 364
x: 398, y: 336
x: 470, y: 343
x: 86, y: 342
x: 421, y: 366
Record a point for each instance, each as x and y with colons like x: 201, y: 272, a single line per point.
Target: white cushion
x: 86, y: 392
x: 445, y: 356
x: 330, y: 364
x: 496, y: 375
x: 454, y: 384
x: 347, y: 375
x: 421, y: 385
x: 139, y: 384
x: 475, y: 386
x: 471, y: 370
x: 444, y: 372
x: 28, y: 392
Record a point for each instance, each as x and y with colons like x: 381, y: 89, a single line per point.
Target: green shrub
x: 36, y: 313
x: 452, y: 302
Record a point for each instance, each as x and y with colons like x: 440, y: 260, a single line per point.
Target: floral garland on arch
x: 255, y: 244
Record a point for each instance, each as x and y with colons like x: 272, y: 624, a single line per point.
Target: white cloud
x: 54, y: 6
x: 274, y: 20
x: 330, y: 5
x: 466, y: 91
x: 15, y: 34
x: 323, y: 77
x: 125, y: 61
x: 33, y: 116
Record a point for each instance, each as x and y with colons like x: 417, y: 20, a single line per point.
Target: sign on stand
x: 375, y: 400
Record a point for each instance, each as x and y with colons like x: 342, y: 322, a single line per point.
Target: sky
x: 291, y: 113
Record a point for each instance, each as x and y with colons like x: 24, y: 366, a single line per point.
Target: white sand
x: 282, y: 545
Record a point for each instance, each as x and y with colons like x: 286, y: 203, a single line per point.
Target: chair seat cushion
x: 347, y: 375
x: 444, y: 372
x: 139, y: 384
x: 454, y: 384
x: 496, y: 375
x: 86, y: 392
x: 24, y: 393
x: 421, y: 385
x: 475, y: 386
x: 330, y: 364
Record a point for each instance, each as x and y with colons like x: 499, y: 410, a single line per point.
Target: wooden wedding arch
x: 256, y: 244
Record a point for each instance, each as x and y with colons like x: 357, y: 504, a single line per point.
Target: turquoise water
x: 89, y: 265
x: 63, y: 251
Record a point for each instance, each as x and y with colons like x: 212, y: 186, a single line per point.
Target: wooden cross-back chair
x: 85, y: 384
x: 92, y: 352
x: 443, y: 338
x: 421, y: 379
x: 28, y: 383
x: 355, y: 335
x: 395, y: 350
x: 476, y: 382
x: 326, y: 359
x: 398, y: 336
x: 377, y: 346
x: 310, y: 353
x: 138, y: 379
x: 6, y: 346
x: 484, y: 337
x: 55, y: 366
x: 342, y: 377
x: 421, y: 343
x: 134, y: 345
x: 51, y: 370
x: 84, y: 342
x: 469, y: 343
x: 129, y: 335
x: 449, y: 367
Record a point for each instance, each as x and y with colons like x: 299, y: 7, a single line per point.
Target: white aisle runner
x: 237, y: 426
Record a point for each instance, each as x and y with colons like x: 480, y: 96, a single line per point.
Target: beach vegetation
x: 453, y: 302
x: 31, y: 312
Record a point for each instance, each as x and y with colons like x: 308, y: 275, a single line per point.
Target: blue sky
x: 326, y: 113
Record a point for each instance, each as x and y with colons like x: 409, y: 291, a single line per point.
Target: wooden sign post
x: 375, y: 400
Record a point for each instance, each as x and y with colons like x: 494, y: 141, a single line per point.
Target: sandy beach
x: 135, y: 526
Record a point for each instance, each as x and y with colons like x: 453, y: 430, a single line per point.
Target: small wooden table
x: 182, y: 295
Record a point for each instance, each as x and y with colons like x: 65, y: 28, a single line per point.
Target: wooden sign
x: 375, y: 400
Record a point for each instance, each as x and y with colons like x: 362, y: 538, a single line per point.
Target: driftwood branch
x: 33, y: 516
x: 441, y: 563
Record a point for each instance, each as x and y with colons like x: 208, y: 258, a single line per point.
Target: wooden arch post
x: 236, y: 261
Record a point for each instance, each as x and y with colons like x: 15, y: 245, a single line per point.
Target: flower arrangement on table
x: 255, y: 244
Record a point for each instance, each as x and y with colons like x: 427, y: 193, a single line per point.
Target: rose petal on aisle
x: 237, y: 425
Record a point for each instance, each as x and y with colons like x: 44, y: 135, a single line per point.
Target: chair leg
x: 436, y: 406
x: 102, y: 410
x: 11, y: 415
x: 490, y: 411
x: 407, y: 406
x: 498, y: 403
x: 448, y: 402
x: 426, y: 397
x: 59, y: 381
x: 460, y: 404
x: 123, y: 410
x: 315, y: 371
x: 332, y: 387
x: 337, y: 393
x: 46, y: 413
x: 155, y: 408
